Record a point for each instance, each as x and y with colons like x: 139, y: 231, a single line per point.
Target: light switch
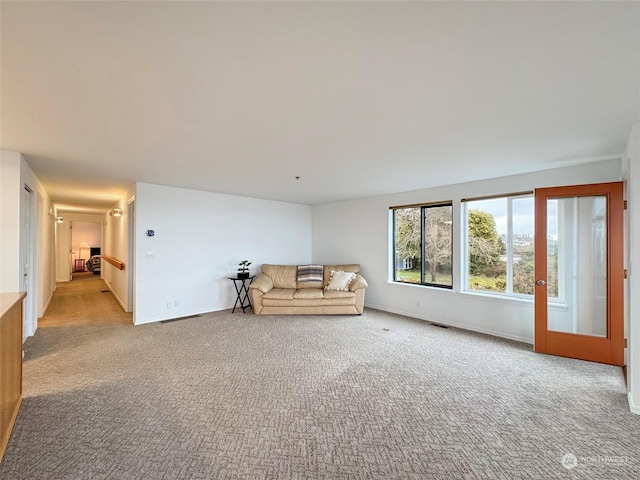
x: 151, y: 253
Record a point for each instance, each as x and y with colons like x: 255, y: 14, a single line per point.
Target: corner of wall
x: 9, y: 221
x: 632, y: 164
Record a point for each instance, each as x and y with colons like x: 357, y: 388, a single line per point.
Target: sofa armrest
x: 262, y: 282
x: 357, y: 283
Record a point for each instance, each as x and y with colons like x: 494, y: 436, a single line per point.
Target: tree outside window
x: 500, y: 245
x: 422, y: 245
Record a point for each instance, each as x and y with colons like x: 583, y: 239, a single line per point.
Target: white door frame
x: 131, y: 238
x: 29, y: 260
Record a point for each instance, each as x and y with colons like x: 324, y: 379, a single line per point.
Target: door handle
x: 541, y: 283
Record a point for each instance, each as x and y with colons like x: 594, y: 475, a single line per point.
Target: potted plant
x: 243, y: 269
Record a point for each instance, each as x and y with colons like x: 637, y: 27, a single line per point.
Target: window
x: 499, y: 245
x: 422, y: 241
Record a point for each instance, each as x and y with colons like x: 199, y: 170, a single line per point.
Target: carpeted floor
x: 86, y: 300
x: 236, y: 396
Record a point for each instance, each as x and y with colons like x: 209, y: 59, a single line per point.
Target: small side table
x: 242, y: 290
x: 79, y: 265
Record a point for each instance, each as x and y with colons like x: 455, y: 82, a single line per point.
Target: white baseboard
x: 632, y: 406
x: 173, y: 316
x: 46, y: 307
x: 448, y: 323
x: 122, y: 304
x: 148, y: 320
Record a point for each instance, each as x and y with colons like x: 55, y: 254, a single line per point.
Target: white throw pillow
x: 340, y: 280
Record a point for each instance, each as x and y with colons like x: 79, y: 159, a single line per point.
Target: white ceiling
x: 357, y: 98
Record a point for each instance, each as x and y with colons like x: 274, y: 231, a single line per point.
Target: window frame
x: 423, y: 262
x: 465, y: 260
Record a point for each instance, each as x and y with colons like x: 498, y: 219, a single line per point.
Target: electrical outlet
x: 176, y: 303
x: 419, y: 303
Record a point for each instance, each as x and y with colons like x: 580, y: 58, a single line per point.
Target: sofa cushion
x: 308, y: 293
x: 310, y: 285
x: 283, y: 276
x: 280, y: 294
x: 310, y: 302
x: 332, y: 294
x: 340, y: 280
x: 354, y: 267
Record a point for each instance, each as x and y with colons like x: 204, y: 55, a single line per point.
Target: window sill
x: 556, y: 306
x: 419, y: 285
x: 500, y: 298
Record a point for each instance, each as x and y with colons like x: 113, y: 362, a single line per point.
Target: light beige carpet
x: 377, y: 396
x: 86, y: 300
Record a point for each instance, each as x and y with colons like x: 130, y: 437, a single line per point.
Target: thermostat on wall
x: 150, y: 233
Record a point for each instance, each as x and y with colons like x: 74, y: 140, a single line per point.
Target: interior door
x: 579, y: 272
x: 27, y: 256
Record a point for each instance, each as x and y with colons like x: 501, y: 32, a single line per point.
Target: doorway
x: 579, y: 310
x: 28, y: 259
x: 86, y: 241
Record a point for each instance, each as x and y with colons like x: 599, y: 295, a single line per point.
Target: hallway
x: 86, y: 300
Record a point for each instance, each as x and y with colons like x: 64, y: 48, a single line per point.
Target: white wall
x: 15, y: 174
x: 10, y: 191
x: 632, y: 164
x: 358, y: 231
x: 90, y: 232
x: 116, y: 245
x: 42, y: 230
x: 199, y: 239
x: 45, y: 253
x: 63, y: 250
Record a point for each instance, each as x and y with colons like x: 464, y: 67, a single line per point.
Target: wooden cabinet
x: 78, y: 265
x: 10, y: 363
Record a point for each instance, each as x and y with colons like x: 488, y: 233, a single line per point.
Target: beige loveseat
x: 283, y: 290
